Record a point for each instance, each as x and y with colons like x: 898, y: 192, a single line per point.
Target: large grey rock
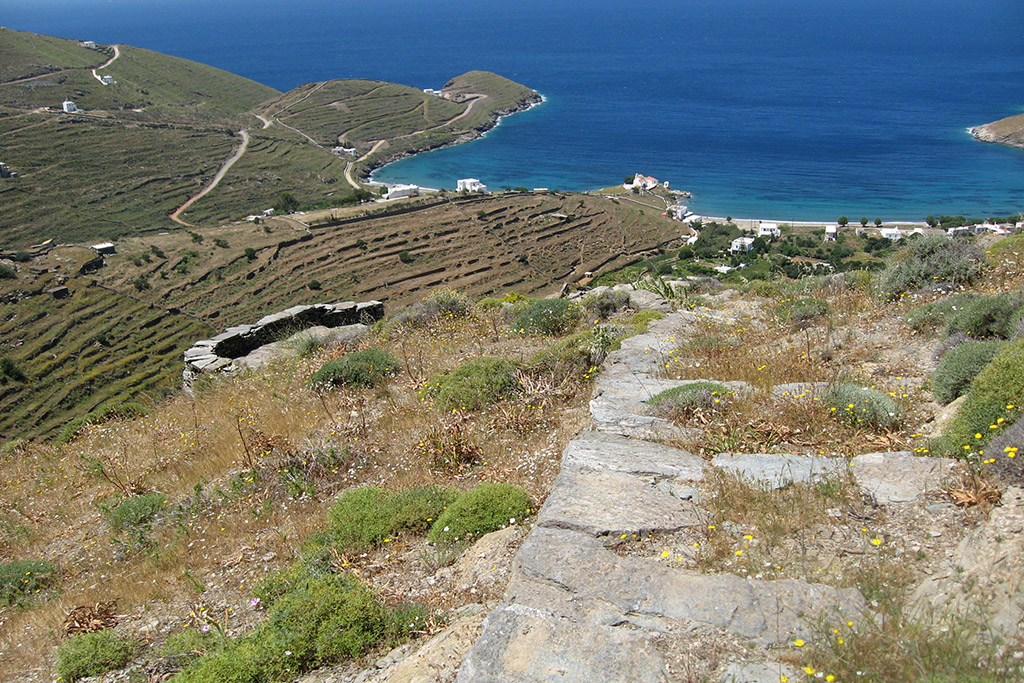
x: 608, y: 504
x: 899, y: 477
x: 984, y: 579
x: 528, y: 645
x: 643, y: 300
x: 765, y: 612
x: 778, y: 470
x: 611, y: 453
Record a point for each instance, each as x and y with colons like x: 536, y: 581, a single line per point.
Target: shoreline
x: 476, y: 134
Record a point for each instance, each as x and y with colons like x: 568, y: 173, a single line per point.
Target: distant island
x: 108, y: 141
x: 1008, y: 131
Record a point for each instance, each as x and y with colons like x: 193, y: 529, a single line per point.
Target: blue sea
x: 789, y: 109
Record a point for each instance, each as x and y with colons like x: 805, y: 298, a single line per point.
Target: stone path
x: 575, y: 610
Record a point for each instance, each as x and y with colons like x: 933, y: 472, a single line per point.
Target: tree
x: 863, y: 221
x: 878, y: 222
x: 843, y: 220
x: 930, y: 220
x: 285, y: 203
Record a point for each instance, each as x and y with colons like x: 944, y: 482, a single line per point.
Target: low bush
x: 986, y: 316
x: 481, y: 510
x: 929, y: 262
x: 547, y: 316
x: 134, y: 512
x: 681, y: 402
x: 366, y: 516
x: 801, y: 312
x: 445, y: 303
x: 604, y: 305
x: 190, y: 641
x: 360, y: 368
x: 91, y: 654
x: 959, y: 366
x: 863, y: 406
x: 318, y: 620
x: 932, y: 316
x: 7, y: 272
x: 582, y: 352
x: 10, y: 370
x: 993, y: 403
x: 22, y: 579
x: 474, y: 384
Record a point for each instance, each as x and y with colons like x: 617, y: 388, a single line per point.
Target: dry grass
x: 249, y: 467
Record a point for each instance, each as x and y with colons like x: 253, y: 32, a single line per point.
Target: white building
x: 831, y: 232
x: 107, y: 80
x: 643, y: 182
x: 891, y: 234
x: 742, y: 244
x: 723, y: 269
x: 680, y: 211
x: 769, y: 230
x: 69, y: 107
x: 470, y: 185
x: 399, y: 191
x: 91, y: 44
x: 104, y: 248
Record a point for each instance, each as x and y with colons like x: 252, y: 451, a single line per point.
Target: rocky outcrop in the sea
x: 221, y: 353
x: 1008, y: 131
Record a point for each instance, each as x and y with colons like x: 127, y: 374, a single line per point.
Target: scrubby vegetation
x: 360, y: 368
x: 91, y: 654
x: 473, y: 385
x: 934, y: 262
x: 682, y: 402
x: 20, y: 580
x: 486, y: 508
x: 959, y: 366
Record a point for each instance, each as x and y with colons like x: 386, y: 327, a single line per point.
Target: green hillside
x: 23, y: 55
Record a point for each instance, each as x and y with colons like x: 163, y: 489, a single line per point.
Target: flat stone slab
x: 528, y: 645
x: 612, y: 453
x: 899, y: 477
x: 608, y: 504
x: 778, y: 470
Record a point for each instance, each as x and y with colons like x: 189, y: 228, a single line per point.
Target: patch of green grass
x: 473, y: 385
x: 801, y: 312
x: 863, y: 406
x: 933, y: 316
x: 92, y: 654
x: 360, y: 368
x: 21, y: 579
x: 959, y: 366
x: 481, y: 510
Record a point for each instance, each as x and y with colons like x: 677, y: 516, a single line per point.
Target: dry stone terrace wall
x: 219, y: 353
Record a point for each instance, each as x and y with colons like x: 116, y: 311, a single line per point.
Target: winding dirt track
x: 216, y: 179
x: 104, y: 65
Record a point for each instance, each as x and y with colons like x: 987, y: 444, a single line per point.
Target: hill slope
x: 1008, y: 131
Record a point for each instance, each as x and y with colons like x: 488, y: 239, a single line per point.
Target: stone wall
x: 219, y: 353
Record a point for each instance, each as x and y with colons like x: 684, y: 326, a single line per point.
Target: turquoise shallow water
x: 791, y: 109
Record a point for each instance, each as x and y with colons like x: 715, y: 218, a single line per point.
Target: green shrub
x: 993, y: 399
x: 684, y: 400
x: 986, y: 316
x: 366, y: 516
x: 7, y: 272
x: 91, y: 654
x: 801, y: 312
x: 21, y: 579
x: 446, y: 303
x: 361, y: 368
x: 547, y: 316
x: 479, y: 511
x: 604, y: 305
x: 474, y: 384
x: 135, y: 512
x: 489, y: 303
x: 315, y: 285
x: 317, y: 620
x: 581, y: 352
x: 959, y: 366
x: 932, y: 316
x: 190, y: 641
x: 863, y: 405
x: 930, y: 261
x: 10, y: 370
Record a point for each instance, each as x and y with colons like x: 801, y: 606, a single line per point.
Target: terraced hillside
x: 142, y: 145
x: 529, y: 243
x: 71, y: 354
x: 121, y: 331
